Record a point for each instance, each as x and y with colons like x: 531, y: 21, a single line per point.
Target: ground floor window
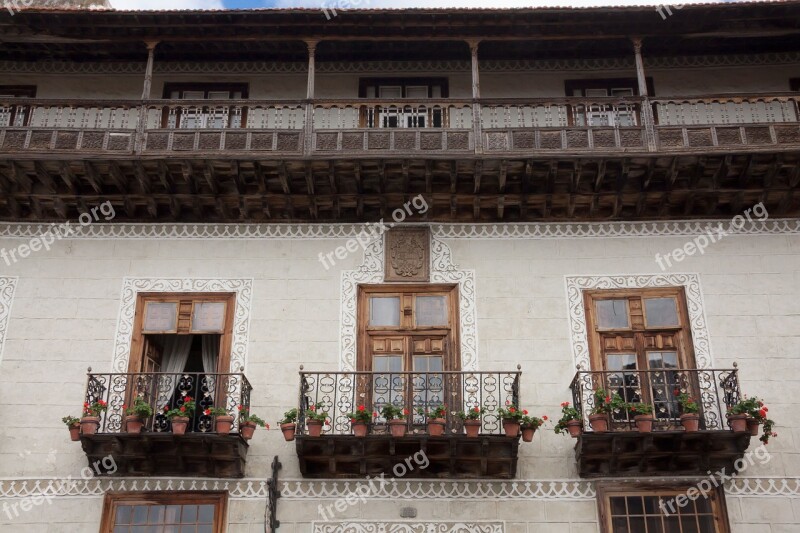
x: 164, y: 513
x: 688, y: 509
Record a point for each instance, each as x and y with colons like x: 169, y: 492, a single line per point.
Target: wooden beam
x: 501, y: 180
x: 91, y: 175
x: 211, y: 178
x: 117, y: 176
x: 43, y: 175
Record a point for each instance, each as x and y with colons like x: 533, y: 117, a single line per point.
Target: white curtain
x: 176, y: 353
x: 210, y: 356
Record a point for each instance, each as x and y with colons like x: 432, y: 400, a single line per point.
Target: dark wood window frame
x: 606, y: 490
x: 451, y: 362
x: 138, y: 334
x: 404, y: 83
x: 113, y: 500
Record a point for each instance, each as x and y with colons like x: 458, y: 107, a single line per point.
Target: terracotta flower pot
x: 75, y: 432
x: 738, y: 423
x: 472, y: 427
x: 511, y: 427
x: 644, y: 423
x: 359, y: 429
x: 179, y: 424
x: 599, y: 423
x: 134, y: 424
x: 436, y: 427
x: 90, y: 424
x: 527, y: 433
x: 223, y: 424
x: 247, y: 429
x: 288, y: 431
x: 690, y: 422
x: 314, y: 428
x: 574, y: 428
x: 753, y: 426
x: 397, y: 428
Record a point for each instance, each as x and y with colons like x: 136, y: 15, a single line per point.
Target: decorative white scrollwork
x: 7, y: 287
x: 408, y: 527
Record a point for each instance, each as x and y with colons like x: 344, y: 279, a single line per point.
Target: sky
x: 395, y: 4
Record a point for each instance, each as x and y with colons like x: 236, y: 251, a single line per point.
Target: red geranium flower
x: 207, y: 412
x: 405, y: 411
x: 375, y: 414
x: 187, y: 399
x: 512, y: 410
x: 524, y: 411
x: 544, y: 417
x: 124, y: 406
x: 676, y: 392
x: 763, y: 413
x: 240, y: 407
x: 476, y: 409
x: 565, y: 404
x: 608, y: 399
x: 361, y: 408
x: 313, y: 407
x: 166, y: 407
x: 183, y: 409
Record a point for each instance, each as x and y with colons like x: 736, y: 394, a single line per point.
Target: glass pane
x: 390, y: 92
x: 417, y: 92
x: 621, y: 361
x: 156, y: 514
x: 139, y: 514
x: 387, y: 363
x: 160, y: 316
x: 661, y: 312
x: 703, y: 505
x: 208, y: 528
x: 123, y: 515
x: 121, y: 529
x: 636, y: 524
x: 208, y: 317
x: 651, y: 505
x: 427, y: 363
x: 431, y: 311
x: 173, y: 515
x: 635, y: 506
x: 618, y: 506
x: 189, y: 515
x: 671, y: 525
x: 205, y: 514
x: 619, y: 525
x: 612, y: 314
x: 384, y: 311
x: 706, y: 523
x: 662, y: 360
x: 689, y: 525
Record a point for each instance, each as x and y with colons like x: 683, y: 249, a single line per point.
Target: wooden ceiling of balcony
x: 359, y: 190
x: 359, y: 35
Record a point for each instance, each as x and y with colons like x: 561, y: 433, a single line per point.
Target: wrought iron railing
x: 714, y: 390
x: 165, y: 389
x: 339, y: 393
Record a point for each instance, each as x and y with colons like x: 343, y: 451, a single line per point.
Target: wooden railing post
x: 141, y: 122
x: 476, y: 95
x: 308, y: 140
x: 647, y: 111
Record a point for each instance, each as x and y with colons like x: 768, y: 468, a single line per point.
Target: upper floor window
x: 14, y: 115
x: 638, y: 340
x: 157, y: 512
x: 794, y: 84
x: 195, y: 116
x: 415, y: 114
x: 605, y: 114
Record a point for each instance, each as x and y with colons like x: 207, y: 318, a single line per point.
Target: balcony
x: 668, y: 449
x: 337, y: 453
x: 156, y: 451
x: 403, y: 127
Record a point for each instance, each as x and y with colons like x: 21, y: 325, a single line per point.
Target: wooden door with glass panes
x: 408, y: 336
x: 638, y: 330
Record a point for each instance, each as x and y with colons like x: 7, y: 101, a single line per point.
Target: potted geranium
x: 90, y: 421
x: 605, y: 403
x: 136, y: 415
x: 223, y: 421
x: 315, y: 419
x: 359, y: 421
x: 690, y: 419
x: 472, y: 420
x: 395, y: 417
x: 512, y: 419
x: 74, y: 426
x: 642, y: 416
x: 180, y: 416
x: 437, y: 420
x: 248, y: 422
x: 530, y: 424
x: 570, y: 420
x: 288, y: 424
x: 755, y: 413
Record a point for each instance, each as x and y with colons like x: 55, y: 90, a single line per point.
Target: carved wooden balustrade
x: 368, y: 126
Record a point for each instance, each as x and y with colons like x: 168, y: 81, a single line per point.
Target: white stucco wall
x: 67, y: 301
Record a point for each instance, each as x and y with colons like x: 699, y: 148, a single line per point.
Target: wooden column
x: 476, y: 95
x: 647, y: 111
x: 141, y: 125
x: 308, y: 135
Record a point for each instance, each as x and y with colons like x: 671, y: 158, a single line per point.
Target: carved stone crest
x: 408, y: 254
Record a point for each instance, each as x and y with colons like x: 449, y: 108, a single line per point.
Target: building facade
x: 285, y: 209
